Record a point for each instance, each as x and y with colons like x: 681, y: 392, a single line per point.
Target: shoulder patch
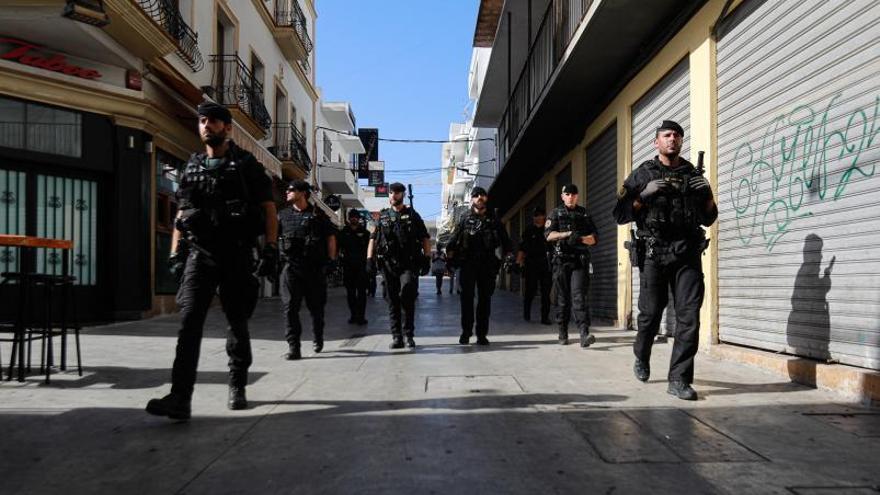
x: 548, y: 223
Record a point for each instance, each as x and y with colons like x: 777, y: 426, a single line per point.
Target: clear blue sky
x: 403, y: 66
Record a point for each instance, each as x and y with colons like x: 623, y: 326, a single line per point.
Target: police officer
x: 670, y: 201
x: 308, y: 242
x: 401, y: 246
x: 474, y: 241
x: 353, y: 242
x: 532, y: 258
x: 225, y: 203
x: 570, y: 227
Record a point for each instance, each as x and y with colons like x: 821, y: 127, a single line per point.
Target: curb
x: 853, y: 384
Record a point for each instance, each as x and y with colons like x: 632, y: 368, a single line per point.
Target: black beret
x: 299, y: 185
x: 671, y: 125
x: 215, y: 111
x: 478, y: 191
x: 570, y: 189
x: 397, y: 187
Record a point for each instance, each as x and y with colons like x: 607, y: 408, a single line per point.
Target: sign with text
x: 376, y: 173
x: 370, y: 140
x: 38, y: 56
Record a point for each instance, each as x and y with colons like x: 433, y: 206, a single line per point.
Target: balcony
x: 338, y: 178
x: 234, y: 86
x: 151, y: 29
x: 582, y: 53
x: 555, y: 31
x: 290, y: 148
x: 287, y: 22
x: 165, y: 14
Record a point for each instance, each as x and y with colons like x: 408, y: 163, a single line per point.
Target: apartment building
x: 97, y: 115
x: 783, y: 99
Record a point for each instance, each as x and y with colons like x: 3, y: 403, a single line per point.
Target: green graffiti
x: 801, y: 162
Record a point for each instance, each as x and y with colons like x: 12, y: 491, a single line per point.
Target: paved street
x: 522, y: 416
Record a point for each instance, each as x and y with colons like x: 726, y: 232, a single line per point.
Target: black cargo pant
x: 479, y: 276
x: 685, y: 279
x: 231, y: 271
x: 571, y: 280
x: 537, y: 274
x: 354, y: 278
x: 298, y: 283
x: 402, y: 288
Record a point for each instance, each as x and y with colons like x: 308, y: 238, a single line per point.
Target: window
x: 34, y: 127
x: 168, y: 170
x: 259, y: 73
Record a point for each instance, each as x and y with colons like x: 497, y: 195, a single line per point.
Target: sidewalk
x: 523, y: 415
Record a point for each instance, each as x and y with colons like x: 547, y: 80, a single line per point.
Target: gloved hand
x: 331, y: 267
x: 700, y: 186
x: 574, y: 239
x: 425, y: 265
x: 268, y: 266
x: 652, y: 188
x: 371, y: 266
x: 177, y: 263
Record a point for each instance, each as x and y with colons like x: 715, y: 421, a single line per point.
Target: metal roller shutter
x: 668, y: 100
x: 799, y: 247
x: 600, y: 200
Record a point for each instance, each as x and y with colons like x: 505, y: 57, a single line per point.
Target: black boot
x: 482, y: 340
x: 464, y: 339
x: 172, y: 406
x: 237, y: 399
x: 396, y: 342
x: 293, y: 353
x: 410, y: 342
x: 587, y: 339
x: 642, y: 370
x: 682, y: 390
x: 527, y: 315
x: 318, y: 345
x: 563, y: 336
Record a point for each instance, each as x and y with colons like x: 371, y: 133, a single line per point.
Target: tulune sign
x: 23, y: 52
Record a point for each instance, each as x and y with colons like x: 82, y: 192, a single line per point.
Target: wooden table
x: 20, y: 329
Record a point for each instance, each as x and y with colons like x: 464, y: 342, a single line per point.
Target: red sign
x: 23, y: 53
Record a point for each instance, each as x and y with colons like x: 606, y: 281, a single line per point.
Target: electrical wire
x: 415, y: 141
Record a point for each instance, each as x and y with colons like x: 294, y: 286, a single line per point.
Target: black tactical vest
x: 575, y: 221
x: 674, y: 214
x: 214, y: 203
x: 479, y: 235
x: 398, y: 235
x: 300, y: 235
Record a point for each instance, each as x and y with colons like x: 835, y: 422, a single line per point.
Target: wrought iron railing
x: 234, y: 84
x: 555, y: 31
x: 289, y: 14
x: 166, y: 15
x: 290, y: 145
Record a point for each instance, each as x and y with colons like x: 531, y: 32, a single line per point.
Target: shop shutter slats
x: 600, y: 200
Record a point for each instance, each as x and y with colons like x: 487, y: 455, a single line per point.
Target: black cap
x: 215, y: 111
x: 397, y: 187
x: 538, y: 211
x: 478, y: 191
x: 299, y: 185
x: 570, y: 189
x: 670, y: 125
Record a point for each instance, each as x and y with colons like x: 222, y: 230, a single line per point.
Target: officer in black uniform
x: 308, y: 243
x: 225, y: 204
x: 570, y: 227
x: 353, y: 242
x: 532, y: 257
x: 401, y: 246
x: 670, y: 201
x: 472, y: 246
